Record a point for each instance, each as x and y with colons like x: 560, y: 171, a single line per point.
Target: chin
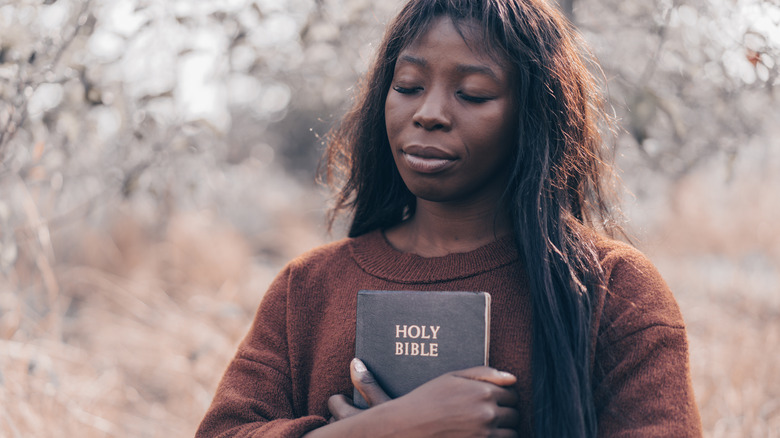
x: 433, y: 194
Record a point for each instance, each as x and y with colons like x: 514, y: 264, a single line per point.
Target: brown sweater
x: 297, y: 352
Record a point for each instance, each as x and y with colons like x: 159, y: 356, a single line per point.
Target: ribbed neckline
x: 374, y: 254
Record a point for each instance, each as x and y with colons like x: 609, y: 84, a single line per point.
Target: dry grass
x: 719, y: 249
x: 128, y: 333
x: 141, y: 330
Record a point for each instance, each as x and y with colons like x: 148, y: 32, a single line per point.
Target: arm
x: 645, y: 387
x: 642, y: 383
x: 471, y: 402
x: 256, y: 395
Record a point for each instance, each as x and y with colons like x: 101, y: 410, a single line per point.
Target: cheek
x: 506, y: 128
x: 390, y: 119
x: 396, y: 115
x: 493, y: 134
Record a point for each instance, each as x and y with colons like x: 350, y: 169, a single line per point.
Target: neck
x: 438, y: 228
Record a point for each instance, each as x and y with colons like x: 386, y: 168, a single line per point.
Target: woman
x: 471, y: 162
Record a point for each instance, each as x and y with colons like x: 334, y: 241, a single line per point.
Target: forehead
x: 443, y: 38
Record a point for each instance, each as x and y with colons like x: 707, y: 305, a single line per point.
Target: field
x: 151, y: 166
x: 128, y: 332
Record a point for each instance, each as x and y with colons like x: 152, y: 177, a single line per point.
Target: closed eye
x: 405, y: 90
x: 473, y: 99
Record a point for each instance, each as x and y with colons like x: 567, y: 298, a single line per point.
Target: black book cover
x: 407, y: 338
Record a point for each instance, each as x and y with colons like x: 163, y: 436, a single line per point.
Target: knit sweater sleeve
x: 254, y: 397
x: 642, y: 384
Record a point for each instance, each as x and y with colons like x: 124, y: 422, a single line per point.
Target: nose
x: 432, y: 114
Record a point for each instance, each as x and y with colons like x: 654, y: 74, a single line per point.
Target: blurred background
x: 158, y: 164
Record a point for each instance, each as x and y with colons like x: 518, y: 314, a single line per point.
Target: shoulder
x: 322, y: 255
x: 345, y: 253
x: 636, y: 296
x: 329, y: 262
x: 311, y: 275
x: 620, y: 258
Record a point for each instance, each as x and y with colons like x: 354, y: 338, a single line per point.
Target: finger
x: 507, y: 418
x: 487, y: 374
x: 366, y: 384
x: 503, y: 433
x: 506, y: 397
x: 503, y: 395
x: 340, y: 407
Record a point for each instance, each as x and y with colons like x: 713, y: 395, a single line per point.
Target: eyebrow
x: 460, y: 68
x: 479, y: 69
x: 414, y: 60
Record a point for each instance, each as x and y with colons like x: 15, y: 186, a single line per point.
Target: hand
x: 471, y: 402
x: 341, y: 407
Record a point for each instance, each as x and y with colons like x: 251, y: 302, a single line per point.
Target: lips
x: 428, y: 152
x: 427, y: 159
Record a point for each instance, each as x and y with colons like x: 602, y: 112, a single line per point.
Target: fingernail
x: 506, y: 375
x: 359, y: 366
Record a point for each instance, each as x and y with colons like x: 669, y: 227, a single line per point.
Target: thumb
x: 366, y: 384
x: 487, y: 374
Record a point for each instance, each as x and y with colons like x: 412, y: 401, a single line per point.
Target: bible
x: 406, y: 338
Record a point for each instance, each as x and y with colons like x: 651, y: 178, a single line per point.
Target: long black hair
x: 556, y: 192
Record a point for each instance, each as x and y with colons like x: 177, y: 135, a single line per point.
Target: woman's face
x: 450, y: 117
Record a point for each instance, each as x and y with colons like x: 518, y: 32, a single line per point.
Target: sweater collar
x: 374, y: 254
